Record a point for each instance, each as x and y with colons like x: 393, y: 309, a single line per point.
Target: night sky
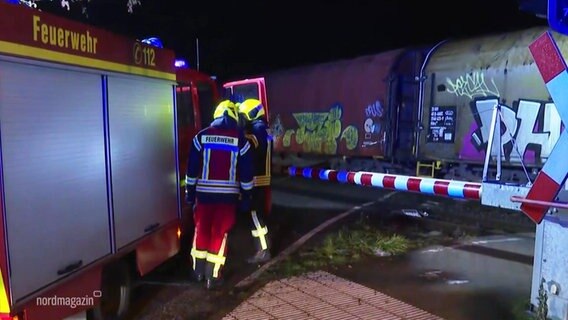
x: 245, y: 38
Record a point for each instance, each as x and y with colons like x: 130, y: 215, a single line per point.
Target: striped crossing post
x: 439, y: 187
x: 552, y: 177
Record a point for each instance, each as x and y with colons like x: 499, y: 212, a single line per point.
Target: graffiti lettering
x: 527, y: 113
x: 472, y: 85
x: 531, y: 126
x: 375, y: 109
x: 483, y: 114
x: 287, y: 139
x: 351, y: 136
x: 277, y: 126
x: 319, y: 132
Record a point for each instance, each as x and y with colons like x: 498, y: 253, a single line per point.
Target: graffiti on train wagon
x: 529, y: 131
x: 351, y: 137
x: 373, y: 124
x: 318, y: 132
x: 472, y: 85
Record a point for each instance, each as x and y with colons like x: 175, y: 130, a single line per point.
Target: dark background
x: 248, y: 37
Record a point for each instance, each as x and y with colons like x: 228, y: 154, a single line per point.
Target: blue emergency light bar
x: 180, y: 63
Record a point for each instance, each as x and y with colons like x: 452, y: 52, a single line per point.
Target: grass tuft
x: 342, y: 247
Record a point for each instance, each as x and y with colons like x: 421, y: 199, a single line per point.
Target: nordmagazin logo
x: 71, y: 302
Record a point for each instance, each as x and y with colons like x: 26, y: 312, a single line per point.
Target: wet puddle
x: 456, y: 285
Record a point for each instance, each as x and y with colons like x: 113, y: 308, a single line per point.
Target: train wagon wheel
x: 116, y: 292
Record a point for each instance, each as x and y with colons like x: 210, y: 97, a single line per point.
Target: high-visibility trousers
x: 212, y: 225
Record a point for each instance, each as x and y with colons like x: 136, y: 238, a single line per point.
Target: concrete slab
x: 321, y: 295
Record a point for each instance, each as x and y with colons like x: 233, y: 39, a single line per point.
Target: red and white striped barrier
x: 550, y: 179
x: 439, y: 187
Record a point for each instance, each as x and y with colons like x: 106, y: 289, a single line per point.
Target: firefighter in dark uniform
x: 219, y: 181
x: 256, y: 130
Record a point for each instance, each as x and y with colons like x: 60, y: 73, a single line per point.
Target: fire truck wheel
x: 116, y: 290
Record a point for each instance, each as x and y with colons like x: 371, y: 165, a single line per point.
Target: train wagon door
x: 405, y: 122
x: 404, y: 91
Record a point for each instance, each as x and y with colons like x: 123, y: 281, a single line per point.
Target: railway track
x: 441, y: 211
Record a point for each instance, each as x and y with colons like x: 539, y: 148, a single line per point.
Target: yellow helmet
x: 226, y: 107
x: 251, y: 109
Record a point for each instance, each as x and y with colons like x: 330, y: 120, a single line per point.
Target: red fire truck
x: 94, y: 132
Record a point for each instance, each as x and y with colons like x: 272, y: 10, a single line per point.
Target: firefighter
x: 253, y: 116
x: 219, y: 181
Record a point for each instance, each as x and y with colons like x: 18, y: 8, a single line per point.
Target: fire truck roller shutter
x: 143, y: 155
x: 53, y: 161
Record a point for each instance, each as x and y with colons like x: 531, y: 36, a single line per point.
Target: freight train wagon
x: 423, y: 111
x: 89, y: 163
x: 341, y: 112
x: 463, y: 82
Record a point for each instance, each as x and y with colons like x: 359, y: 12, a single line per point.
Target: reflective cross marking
x: 552, y: 177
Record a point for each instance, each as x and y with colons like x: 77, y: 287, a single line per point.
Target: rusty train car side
x: 351, y: 108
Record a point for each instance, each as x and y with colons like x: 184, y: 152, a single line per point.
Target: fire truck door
x: 53, y: 164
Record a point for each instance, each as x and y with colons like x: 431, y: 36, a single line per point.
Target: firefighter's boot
x: 261, y: 240
x: 198, y: 274
x: 212, y: 282
x: 262, y: 254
